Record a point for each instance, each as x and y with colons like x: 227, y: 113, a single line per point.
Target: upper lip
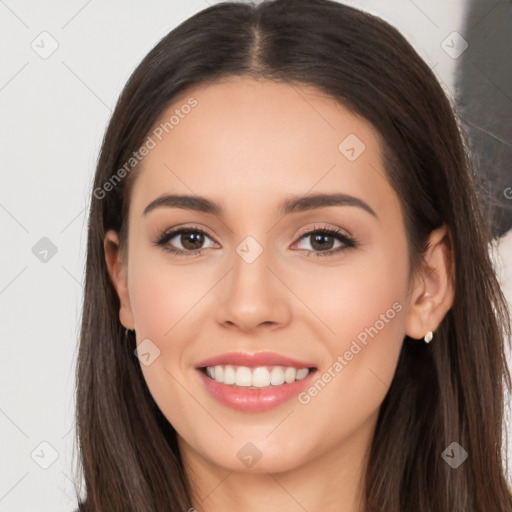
x: 253, y: 360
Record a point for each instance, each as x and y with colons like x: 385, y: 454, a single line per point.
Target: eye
x: 323, y: 238
x: 191, y: 240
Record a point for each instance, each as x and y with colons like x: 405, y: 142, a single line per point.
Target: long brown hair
x: 451, y: 390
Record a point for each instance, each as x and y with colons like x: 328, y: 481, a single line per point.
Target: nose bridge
x: 253, y: 252
x: 251, y: 260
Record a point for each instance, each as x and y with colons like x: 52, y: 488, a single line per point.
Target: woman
x: 289, y: 302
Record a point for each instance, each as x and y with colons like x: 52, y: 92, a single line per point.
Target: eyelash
x: 348, y: 242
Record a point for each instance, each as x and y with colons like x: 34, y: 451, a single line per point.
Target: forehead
x: 251, y: 141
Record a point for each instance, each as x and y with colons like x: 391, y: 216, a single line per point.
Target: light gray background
x: 53, y: 114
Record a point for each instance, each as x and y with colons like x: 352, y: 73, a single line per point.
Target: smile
x: 247, y: 397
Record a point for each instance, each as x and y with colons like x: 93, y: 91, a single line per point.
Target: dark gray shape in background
x: 483, y: 85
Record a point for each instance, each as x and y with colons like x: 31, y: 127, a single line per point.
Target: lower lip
x: 255, y: 400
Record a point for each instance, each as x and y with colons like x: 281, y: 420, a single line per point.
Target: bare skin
x: 249, y: 145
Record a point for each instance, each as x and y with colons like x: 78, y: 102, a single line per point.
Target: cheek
x: 366, y: 314
x: 363, y: 298
x: 363, y: 301
x: 161, y: 296
x: 367, y: 305
x: 361, y: 361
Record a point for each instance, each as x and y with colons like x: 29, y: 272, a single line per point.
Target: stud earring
x: 428, y: 337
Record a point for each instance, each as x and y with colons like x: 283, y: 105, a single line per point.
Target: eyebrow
x: 290, y: 205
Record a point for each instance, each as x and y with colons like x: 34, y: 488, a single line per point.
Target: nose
x: 252, y: 294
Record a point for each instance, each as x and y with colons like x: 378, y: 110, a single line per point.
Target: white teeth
x: 302, y: 373
x: 243, y: 376
x: 260, y: 377
x: 219, y: 374
x: 276, y: 376
x: 229, y: 375
x: 290, y: 374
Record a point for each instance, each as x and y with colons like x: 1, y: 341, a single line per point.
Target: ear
x: 118, y: 275
x: 433, y: 287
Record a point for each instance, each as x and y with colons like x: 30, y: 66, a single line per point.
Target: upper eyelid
x: 319, y: 227
x: 176, y: 231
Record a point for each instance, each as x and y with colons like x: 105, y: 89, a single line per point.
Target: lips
x: 253, y: 360
x: 253, y: 398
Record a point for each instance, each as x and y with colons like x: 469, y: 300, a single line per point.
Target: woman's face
x: 266, y: 281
